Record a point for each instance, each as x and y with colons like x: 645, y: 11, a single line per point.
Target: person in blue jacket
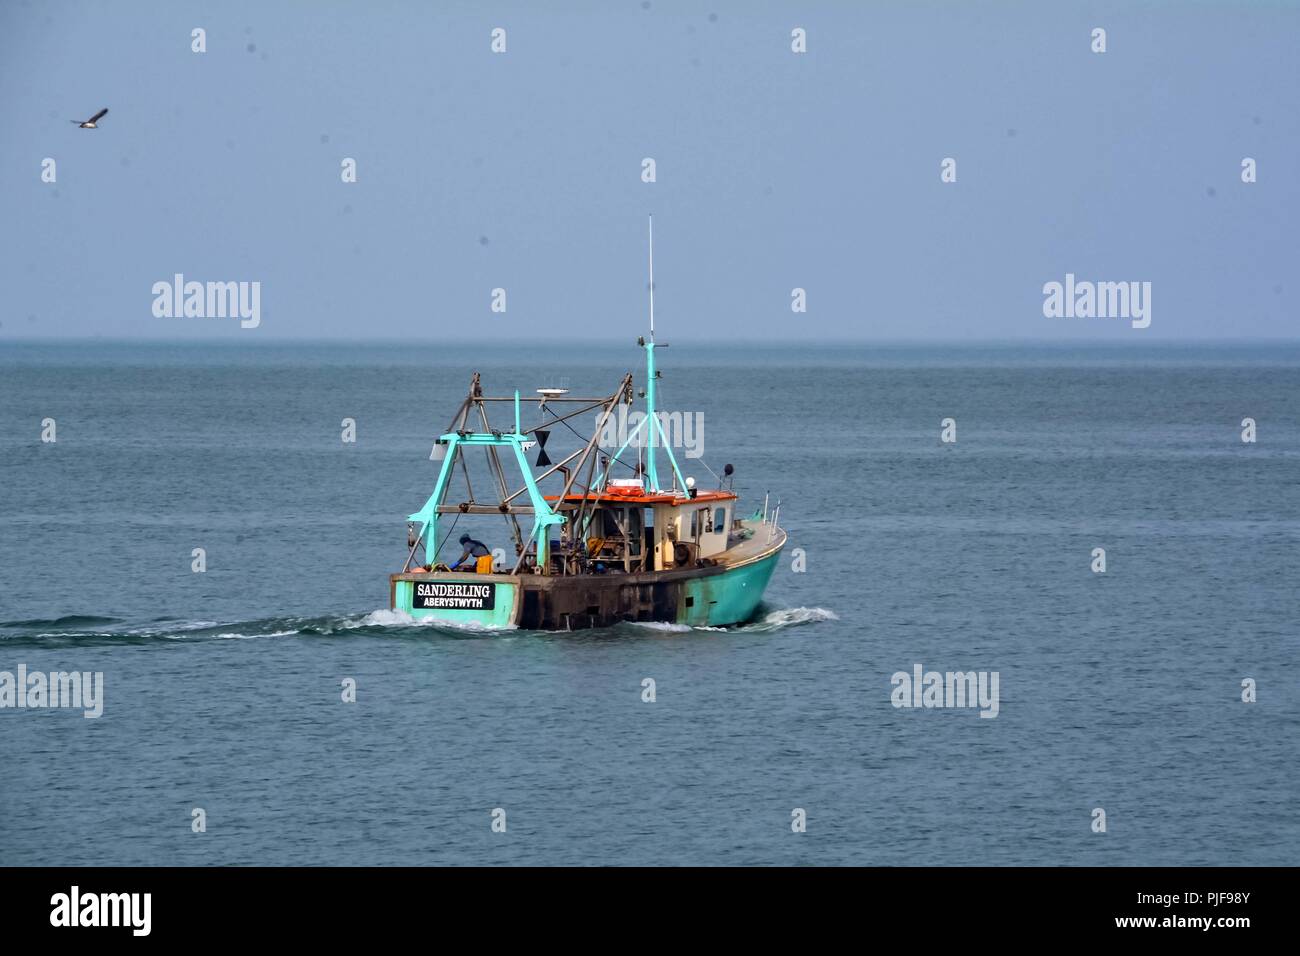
x: 473, y: 551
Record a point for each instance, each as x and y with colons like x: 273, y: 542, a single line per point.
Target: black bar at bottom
x: 960, y: 905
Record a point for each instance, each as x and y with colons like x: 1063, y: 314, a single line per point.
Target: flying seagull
x: 90, y: 123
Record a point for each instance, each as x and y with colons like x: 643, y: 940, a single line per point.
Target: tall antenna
x: 652, y: 277
x: 652, y: 470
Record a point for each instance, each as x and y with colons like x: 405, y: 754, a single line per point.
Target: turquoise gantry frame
x: 543, y: 515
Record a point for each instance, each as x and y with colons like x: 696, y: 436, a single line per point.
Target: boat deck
x: 764, y: 540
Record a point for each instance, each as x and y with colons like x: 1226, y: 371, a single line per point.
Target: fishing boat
x: 611, y: 543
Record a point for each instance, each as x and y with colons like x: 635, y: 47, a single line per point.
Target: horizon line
x: 236, y: 339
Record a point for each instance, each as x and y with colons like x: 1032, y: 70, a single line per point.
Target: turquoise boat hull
x: 728, y: 598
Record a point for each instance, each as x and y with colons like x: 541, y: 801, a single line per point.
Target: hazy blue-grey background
x: 775, y: 170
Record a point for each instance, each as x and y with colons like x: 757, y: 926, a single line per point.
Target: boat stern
x: 488, y: 601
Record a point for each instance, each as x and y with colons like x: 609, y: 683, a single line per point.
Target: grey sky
x: 775, y: 170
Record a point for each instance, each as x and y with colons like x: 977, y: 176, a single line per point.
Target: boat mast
x: 652, y: 278
x: 654, y: 428
x: 652, y: 473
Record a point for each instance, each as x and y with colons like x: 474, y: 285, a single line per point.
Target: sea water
x: 269, y: 708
